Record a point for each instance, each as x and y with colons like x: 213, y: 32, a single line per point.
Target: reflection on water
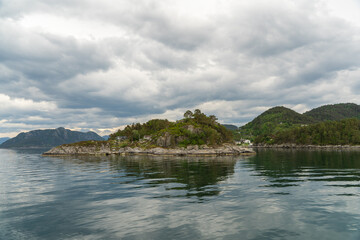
x: 293, y: 167
x: 280, y: 194
x: 188, y: 176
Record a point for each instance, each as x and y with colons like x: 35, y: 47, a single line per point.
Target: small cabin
x: 247, y: 141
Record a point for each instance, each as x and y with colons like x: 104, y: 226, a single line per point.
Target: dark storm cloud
x: 110, y: 64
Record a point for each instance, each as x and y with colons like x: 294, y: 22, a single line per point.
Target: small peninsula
x: 196, y: 134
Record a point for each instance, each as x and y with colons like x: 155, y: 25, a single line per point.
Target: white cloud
x: 346, y: 9
x: 113, y: 64
x: 9, y: 105
x: 73, y: 27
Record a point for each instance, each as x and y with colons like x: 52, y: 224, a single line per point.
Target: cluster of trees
x: 134, y: 132
x: 204, y: 130
x: 344, y: 132
x: 208, y: 130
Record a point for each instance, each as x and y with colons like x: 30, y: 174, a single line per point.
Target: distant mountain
x: 48, y: 138
x: 105, y: 137
x: 230, y: 127
x: 3, y: 139
x: 273, y: 120
x: 334, y: 112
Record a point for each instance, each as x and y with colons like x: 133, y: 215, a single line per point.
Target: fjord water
x: 276, y: 194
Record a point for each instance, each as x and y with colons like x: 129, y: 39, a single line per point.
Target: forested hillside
x: 334, y: 112
x: 274, y: 120
x: 279, y: 121
x: 344, y: 132
x: 195, y: 129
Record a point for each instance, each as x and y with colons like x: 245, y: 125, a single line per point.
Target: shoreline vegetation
x: 345, y: 132
x: 297, y: 146
x: 196, y: 135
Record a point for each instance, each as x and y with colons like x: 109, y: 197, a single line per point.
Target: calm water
x: 273, y: 195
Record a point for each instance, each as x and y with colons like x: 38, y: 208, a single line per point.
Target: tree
x: 197, y: 112
x: 213, y: 118
x: 188, y: 114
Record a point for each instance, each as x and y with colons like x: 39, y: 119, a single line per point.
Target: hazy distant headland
x: 48, y: 138
x: 3, y: 139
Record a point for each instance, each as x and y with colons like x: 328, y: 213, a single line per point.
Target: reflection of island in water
x: 287, y: 168
x: 180, y: 176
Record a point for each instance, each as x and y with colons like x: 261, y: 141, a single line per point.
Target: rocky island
x: 196, y: 134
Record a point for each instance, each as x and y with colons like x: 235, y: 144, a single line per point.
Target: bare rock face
x: 165, y: 140
x: 192, y: 129
x: 168, y: 140
x: 192, y: 147
x: 157, y: 151
x: 79, y: 150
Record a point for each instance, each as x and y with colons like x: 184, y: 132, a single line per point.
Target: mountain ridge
x: 4, y: 139
x: 48, y: 138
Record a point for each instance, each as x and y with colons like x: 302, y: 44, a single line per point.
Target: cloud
x: 9, y: 105
x: 113, y: 64
x: 44, y: 57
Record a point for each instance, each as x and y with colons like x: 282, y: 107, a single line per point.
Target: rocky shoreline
x: 193, y: 150
x: 307, y: 146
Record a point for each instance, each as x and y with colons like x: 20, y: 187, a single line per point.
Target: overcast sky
x: 98, y: 65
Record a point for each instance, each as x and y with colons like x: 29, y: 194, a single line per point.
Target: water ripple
x: 273, y: 195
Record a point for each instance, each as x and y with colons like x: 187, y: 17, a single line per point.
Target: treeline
x: 134, y: 132
x: 272, y: 121
x: 206, y: 129
x: 194, y: 129
x: 334, y: 112
x: 344, y: 132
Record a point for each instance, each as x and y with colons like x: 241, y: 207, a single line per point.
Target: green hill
x: 194, y: 129
x: 274, y: 120
x: 334, y: 112
x: 283, y: 125
x: 230, y: 127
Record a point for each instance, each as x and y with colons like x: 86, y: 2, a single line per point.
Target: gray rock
x: 192, y: 147
x: 105, y: 149
x: 165, y: 140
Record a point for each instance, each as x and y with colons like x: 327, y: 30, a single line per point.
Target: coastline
x: 194, y: 150
x: 307, y: 146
